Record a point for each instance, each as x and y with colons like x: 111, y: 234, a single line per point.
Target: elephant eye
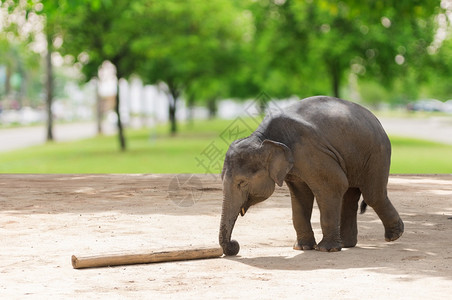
x: 243, y: 184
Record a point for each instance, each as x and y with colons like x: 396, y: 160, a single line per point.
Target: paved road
x: 22, y: 137
x: 436, y: 129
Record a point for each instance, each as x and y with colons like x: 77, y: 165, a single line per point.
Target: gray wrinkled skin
x: 322, y: 147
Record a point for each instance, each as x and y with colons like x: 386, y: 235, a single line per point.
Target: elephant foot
x: 299, y: 245
x: 349, y: 242
x: 329, y: 246
x: 393, y: 233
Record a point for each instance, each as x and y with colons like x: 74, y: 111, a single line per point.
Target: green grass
x: 418, y: 156
x: 149, y: 151
x: 157, y: 152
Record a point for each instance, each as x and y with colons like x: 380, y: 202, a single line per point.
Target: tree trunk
x: 122, y: 140
x: 121, y: 136
x: 172, y: 118
x: 191, y: 107
x: 8, y: 80
x: 173, y: 97
x: 49, y: 88
x: 144, y: 110
x: 99, y: 109
x: 22, y: 90
x: 212, y: 107
x: 335, y: 77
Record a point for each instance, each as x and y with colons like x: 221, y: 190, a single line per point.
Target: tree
x: 186, y: 42
x: 309, y: 41
x: 206, y: 91
x: 438, y: 83
x: 49, y: 86
x: 102, y: 30
x: 51, y: 12
x: 16, y: 60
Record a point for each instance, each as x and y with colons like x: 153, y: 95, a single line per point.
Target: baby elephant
x: 322, y: 147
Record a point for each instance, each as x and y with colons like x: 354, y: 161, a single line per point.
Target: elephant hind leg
x: 379, y: 201
x: 349, y: 227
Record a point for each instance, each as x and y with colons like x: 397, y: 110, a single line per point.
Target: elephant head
x: 251, y: 169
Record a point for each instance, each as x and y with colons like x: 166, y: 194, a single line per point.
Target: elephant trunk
x: 229, y: 215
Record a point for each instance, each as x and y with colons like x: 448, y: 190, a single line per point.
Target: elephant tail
x: 362, y: 207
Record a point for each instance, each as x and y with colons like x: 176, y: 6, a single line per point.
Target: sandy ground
x: 44, y: 219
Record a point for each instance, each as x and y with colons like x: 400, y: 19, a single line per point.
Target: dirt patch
x: 44, y: 219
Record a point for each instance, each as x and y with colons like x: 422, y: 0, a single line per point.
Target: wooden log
x: 145, y: 258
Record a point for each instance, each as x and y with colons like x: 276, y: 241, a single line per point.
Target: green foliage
x: 373, y: 93
x: 221, y: 48
x: 17, y: 59
x: 359, y: 37
x: 438, y: 76
x: 206, y: 50
x: 192, y: 46
x: 19, y: 62
x: 184, y: 40
x: 98, y: 31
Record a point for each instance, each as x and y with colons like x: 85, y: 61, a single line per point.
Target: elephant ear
x: 279, y: 160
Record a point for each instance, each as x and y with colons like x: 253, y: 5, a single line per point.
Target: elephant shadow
x: 385, y: 258
x: 305, y: 260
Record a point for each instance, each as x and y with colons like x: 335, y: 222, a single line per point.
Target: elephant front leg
x: 330, y: 216
x: 302, y: 202
x: 349, y: 226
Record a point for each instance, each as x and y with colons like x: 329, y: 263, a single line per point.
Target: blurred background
x: 147, y: 86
